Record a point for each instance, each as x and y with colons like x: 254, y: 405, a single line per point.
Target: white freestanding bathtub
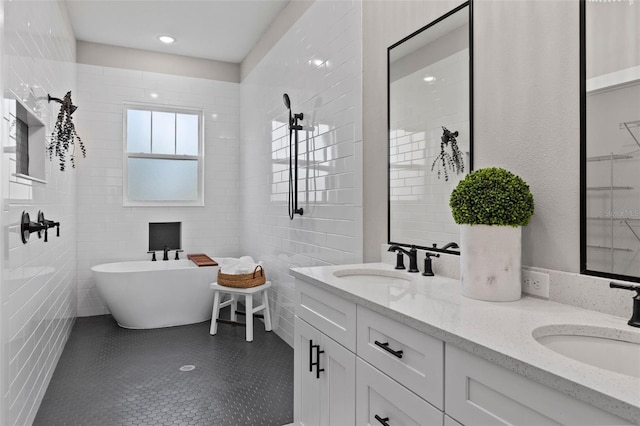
x: 146, y: 294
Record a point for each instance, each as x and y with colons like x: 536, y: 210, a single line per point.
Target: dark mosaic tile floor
x: 109, y: 375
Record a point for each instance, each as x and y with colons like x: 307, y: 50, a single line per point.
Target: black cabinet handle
x: 386, y: 347
x: 382, y: 421
x: 318, y: 369
x: 317, y: 363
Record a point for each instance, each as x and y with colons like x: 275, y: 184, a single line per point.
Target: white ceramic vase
x: 490, y: 258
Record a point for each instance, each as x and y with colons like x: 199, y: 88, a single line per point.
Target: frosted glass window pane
x: 187, y: 134
x: 138, y: 131
x: 164, y: 133
x: 163, y: 180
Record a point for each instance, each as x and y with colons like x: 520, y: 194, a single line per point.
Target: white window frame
x: 126, y: 201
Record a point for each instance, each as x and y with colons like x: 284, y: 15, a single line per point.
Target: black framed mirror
x: 430, y: 129
x: 610, y: 139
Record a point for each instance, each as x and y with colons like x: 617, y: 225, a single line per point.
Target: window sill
x: 27, y: 177
x: 197, y: 203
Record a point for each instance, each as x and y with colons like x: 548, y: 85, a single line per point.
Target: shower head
x: 286, y: 100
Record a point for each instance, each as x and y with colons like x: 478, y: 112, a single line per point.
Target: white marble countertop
x: 500, y: 332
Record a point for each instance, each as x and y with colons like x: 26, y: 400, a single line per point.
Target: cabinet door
x: 337, y: 384
x: 324, y: 379
x: 383, y: 401
x: 306, y: 395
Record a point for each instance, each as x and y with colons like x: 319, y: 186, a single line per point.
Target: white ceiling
x: 223, y: 30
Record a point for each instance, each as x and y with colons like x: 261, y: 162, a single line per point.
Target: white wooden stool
x: 235, y: 293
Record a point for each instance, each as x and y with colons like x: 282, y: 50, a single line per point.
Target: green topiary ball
x: 492, y: 196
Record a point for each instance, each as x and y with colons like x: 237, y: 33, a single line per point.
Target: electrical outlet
x: 535, y: 283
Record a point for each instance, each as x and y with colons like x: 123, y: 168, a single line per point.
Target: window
x: 163, y: 164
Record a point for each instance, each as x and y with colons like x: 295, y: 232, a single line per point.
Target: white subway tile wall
x: 109, y: 232
x: 318, y: 63
x: 37, y: 293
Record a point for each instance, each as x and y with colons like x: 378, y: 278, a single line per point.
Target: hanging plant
x: 445, y: 160
x: 64, y: 135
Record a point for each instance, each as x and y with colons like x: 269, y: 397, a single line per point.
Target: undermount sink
x: 607, y: 348
x: 370, y: 275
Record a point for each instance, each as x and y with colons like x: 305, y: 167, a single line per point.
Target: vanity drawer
x: 331, y: 314
x: 414, y: 359
x: 379, y: 395
x: 480, y: 392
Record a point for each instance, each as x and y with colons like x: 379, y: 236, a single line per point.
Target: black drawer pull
x: 381, y: 420
x: 386, y: 347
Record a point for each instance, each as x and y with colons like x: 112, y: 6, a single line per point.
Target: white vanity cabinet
x: 324, y: 367
x: 356, y: 366
x: 339, y: 375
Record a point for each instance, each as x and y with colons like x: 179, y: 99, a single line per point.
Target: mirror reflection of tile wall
x: 429, y: 89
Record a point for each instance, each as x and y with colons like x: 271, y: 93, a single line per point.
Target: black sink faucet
x: 451, y: 245
x: 413, y: 257
x: 166, y: 253
x: 635, y: 315
x: 428, y: 270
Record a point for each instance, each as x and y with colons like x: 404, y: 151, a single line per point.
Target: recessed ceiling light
x: 166, y: 39
x: 153, y: 95
x: 429, y: 79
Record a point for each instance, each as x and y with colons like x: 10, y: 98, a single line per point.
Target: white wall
x: 526, y: 106
x: 329, y: 95
x: 38, y: 279
x: 278, y: 28
x: 109, y: 232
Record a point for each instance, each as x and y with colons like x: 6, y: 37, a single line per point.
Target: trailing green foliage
x: 492, y: 196
x: 64, y: 135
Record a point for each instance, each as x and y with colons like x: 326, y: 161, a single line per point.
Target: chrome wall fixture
x: 293, y: 158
